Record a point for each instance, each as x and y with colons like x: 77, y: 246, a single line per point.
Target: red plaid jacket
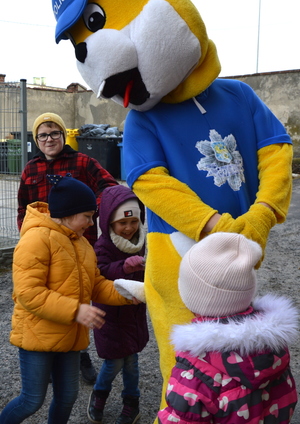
x: 34, y: 185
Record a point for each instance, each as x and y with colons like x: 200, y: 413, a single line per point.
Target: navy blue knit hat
x: 69, y: 196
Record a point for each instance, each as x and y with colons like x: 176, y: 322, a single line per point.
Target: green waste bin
x: 14, y: 156
x: 3, y: 156
x: 32, y: 148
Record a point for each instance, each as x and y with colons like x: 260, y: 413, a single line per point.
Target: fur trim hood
x: 274, y: 326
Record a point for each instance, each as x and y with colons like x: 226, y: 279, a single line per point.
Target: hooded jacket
x: 125, y: 330
x: 54, y: 271
x: 234, y: 370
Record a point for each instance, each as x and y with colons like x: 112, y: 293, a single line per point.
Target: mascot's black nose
x: 81, y: 52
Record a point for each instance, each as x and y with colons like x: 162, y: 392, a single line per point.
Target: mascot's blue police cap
x: 66, y: 13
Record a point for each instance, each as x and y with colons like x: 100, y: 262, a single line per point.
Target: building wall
x: 279, y: 90
x: 281, y: 93
x: 76, y: 109
x: 89, y: 110
x: 42, y: 100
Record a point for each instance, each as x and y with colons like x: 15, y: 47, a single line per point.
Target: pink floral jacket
x: 236, y: 370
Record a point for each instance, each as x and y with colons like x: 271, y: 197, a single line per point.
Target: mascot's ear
x: 181, y: 242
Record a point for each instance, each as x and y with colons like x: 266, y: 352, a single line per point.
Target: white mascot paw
x: 130, y: 289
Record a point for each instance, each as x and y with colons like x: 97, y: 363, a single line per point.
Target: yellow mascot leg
x: 163, y: 301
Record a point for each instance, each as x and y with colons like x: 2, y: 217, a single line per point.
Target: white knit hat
x: 128, y: 209
x: 217, y: 276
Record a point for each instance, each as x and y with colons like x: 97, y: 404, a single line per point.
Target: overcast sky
x: 251, y: 36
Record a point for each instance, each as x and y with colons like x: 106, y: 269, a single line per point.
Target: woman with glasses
x: 57, y: 157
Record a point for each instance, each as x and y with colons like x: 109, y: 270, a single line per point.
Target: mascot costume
x: 203, y: 154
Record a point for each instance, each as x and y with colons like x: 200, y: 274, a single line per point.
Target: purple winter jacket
x: 125, y: 330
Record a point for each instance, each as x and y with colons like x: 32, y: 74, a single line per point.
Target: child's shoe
x: 96, y: 405
x: 130, y: 412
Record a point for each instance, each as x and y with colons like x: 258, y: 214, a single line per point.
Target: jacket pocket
x: 34, y: 179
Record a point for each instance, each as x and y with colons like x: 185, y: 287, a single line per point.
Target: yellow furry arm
x: 275, y: 187
x: 173, y: 201
x: 275, y: 178
x: 254, y: 224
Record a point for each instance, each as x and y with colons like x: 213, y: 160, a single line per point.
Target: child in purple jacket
x: 120, y: 253
x: 232, y: 361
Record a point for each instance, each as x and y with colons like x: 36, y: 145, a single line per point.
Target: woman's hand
x: 90, y: 316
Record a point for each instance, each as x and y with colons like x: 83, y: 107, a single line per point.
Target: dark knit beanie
x: 69, y: 196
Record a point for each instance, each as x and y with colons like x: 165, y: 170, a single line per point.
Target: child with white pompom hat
x: 232, y: 360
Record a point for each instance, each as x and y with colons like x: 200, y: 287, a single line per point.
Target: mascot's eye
x: 94, y: 17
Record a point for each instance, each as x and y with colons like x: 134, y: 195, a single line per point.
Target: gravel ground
x: 279, y: 273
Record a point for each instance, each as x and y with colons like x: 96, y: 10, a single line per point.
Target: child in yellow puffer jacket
x: 55, y: 276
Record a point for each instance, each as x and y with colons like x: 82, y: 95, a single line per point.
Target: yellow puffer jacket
x: 54, y: 271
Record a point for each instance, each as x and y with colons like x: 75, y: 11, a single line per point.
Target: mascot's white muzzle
x: 100, y: 63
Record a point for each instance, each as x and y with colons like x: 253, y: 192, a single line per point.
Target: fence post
x: 23, y: 111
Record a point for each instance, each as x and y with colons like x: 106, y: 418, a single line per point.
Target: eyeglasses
x: 43, y: 137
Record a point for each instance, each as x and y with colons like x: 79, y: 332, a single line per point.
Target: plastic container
x: 32, y: 148
x: 123, y: 173
x: 105, y: 150
x: 71, y: 138
x: 3, y: 156
x: 14, y: 156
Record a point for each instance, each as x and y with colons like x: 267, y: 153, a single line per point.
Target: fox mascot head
x: 140, y: 52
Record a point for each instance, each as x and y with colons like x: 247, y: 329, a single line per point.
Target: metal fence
x: 13, y: 156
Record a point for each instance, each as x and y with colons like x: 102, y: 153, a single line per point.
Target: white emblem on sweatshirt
x: 221, y: 160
